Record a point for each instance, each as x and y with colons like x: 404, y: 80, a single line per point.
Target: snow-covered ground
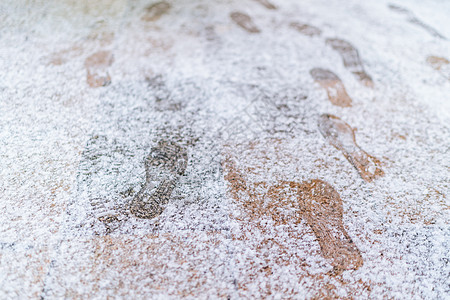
x: 88, y: 88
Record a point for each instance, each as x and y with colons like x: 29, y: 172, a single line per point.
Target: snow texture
x: 215, y: 75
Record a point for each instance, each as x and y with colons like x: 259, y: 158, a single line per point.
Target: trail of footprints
x: 320, y: 205
x: 414, y: 20
x: 317, y: 202
x: 96, y: 64
x: 266, y: 4
x: 337, y: 95
x: 350, y: 57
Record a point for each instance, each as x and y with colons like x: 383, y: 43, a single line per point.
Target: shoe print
x: 320, y: 205
x: 164, y: 165
x: 314, y: 201
x: 342, y: 137
x: 414, y: 20
x: 333, y: 85
x: 266, y: 4
x: 351, y: 59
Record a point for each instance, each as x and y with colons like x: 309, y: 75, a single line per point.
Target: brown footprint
x: 342, y: 137
x: 96, y: 66
x: 244, y: 21
x: 314, y: 201
x: 306, y: 29
x: 334, y: 86
x: 440, y: 64
x: 351, y: 59
x: 321, y: 207
x: 155, y: 11
x: 266, y: 4
x: 414, y: 20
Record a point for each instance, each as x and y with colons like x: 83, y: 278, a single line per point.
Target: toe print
x: 96, y: 66
x: 306, y: 29
x: 342, y: 137
x: 244, y: 21
x: 320, y: 205
x: 163, y: 167
x: 333, y: 85
x: 414, y: 20
x: 351, y: 59
x: 156, y: 11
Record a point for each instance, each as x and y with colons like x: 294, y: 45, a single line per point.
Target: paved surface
x: 233, y: 149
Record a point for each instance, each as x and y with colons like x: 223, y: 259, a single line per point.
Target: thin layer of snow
x: 66, y: 146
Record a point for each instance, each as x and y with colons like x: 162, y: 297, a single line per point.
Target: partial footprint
x: 320, y: 206
x: 163, y: 167
x: 440, y: 64
x: 306, y: 29
x: 437, y: 62
x: 62, y: 57
x: 351, y: 59
x: 244, y: 21
x: 101, y: 35
x: 162, y: 95
x: 155, y: 11
x: 96, y: 66
x: 266, y: 4
x: 334, y: 86
x: 96, y: 179
x: 342, y: 137
x: 398, y: 9
x: 414, y: 20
